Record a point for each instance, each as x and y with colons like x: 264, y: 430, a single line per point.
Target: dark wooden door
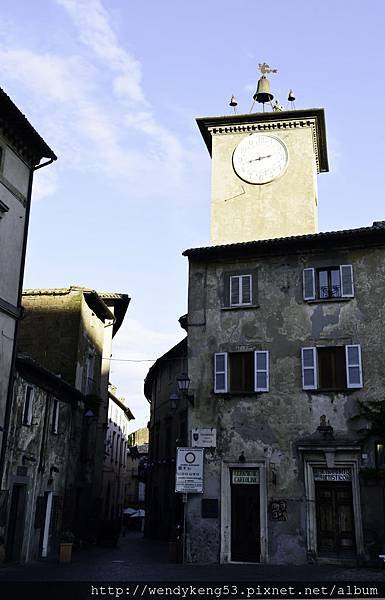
x: 15, y: 533
x: 245, y: 523
x: 335, y: 520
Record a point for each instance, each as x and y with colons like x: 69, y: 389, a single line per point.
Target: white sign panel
x: 204, y: 438
x: 332, y: 474
x: 189, y: 470
x: 245, y: 476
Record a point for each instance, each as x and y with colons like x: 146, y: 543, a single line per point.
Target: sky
x: 114, y: 88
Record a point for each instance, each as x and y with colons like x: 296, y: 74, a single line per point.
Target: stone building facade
x: 168, y: 430
x: 21, y: 152
x: 116, y: 468
x: 285, y: 371
x: 137, y: 466
x: 69, y: 333
x: 43, y: 460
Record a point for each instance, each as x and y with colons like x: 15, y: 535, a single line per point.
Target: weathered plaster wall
x: 265, y: 426
x: 43, y: 450
x: 14, y: 178
x: 49, y: 331
x: 241, y: 211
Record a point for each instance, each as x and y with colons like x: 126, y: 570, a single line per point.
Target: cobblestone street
x: 140, y: 559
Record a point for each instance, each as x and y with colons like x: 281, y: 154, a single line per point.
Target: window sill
x: 246, y: 394
x: 333, y: 391
x: 324, y: 300
x: 240, y: 307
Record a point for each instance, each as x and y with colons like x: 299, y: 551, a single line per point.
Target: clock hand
x: 260, y: 158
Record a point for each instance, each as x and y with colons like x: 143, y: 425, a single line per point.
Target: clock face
x: 260, y: 158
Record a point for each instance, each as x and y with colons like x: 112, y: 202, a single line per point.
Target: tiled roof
x: 16, y: 125
x: 363, y: 236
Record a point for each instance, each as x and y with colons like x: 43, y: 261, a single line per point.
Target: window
x: 328, y: 283
x: 55, y: 416
x: 28, y: 401
x: 241, y: 372
x: 240, y: 289
x: 331, y: 368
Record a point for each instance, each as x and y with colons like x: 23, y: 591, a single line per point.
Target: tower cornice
x: 271, y: 121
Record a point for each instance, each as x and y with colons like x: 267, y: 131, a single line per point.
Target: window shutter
x: 309, y: 284
x: 353, y: 366
x: 347, y: 287
x: 234, y: 290
x: 246, y: 289
x: 220, y: 373
x: 261, y: 364
x: 309, y: 368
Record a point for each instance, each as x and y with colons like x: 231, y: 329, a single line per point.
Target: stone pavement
x: 140, y: 559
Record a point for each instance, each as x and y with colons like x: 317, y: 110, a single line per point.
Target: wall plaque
x: 245, y: 476
x: 204, y: 438
x: 342, y: 474
x: 278, y: 510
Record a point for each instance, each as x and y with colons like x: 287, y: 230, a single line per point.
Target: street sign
x: 189, y: 470
x: 204, y: 438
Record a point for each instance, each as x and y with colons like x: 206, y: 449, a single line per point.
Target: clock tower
x: 264, y: 172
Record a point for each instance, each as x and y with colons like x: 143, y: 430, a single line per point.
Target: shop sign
x: 189, y: 470
x: 332, y: 475
x: 245, y: 476
x: 204, y: 438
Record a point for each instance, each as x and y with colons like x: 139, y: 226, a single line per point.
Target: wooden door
x: 335, y: 520
x: 245, y: 523
x: 15, y: 533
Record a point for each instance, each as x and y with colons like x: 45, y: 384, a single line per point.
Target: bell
x: 233, y: 101
x: 263, y: 93
x: 291, y: 96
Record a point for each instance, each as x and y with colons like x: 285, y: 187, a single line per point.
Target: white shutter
x: 347, y: 287
x: 261, y: 368
x: 309, y: 284
x: 30, y: 407
x: 235, y: 283
x: 220, y: 373
x: 246, y: 289
x: 309, y: 368
x: 353, y: 366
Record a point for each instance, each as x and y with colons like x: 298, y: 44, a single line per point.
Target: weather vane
x: 265, y: 68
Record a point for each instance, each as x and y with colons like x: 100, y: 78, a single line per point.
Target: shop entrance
x: 335, y: 520
x: 245, y: 515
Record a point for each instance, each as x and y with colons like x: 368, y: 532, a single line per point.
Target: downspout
x: 8, y: 407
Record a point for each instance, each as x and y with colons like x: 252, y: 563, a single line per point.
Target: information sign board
x: 189, y: 470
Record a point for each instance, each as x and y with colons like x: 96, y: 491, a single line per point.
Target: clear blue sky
x: 114, y: 87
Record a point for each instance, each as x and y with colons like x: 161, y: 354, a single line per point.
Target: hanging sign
x: 245, y: 476
x: 204, y: 438
x: 332, y: 474
x: 189, y: 470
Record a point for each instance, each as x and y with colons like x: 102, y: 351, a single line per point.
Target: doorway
x: 335, y: 520
x: 15, y: 534
x: 245, y: 515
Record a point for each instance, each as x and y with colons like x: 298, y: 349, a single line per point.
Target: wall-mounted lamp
x: 183, y: 382
x: 174, y: 399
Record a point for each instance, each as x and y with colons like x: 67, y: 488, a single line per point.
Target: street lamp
x: 173, y: 398
x: 183, y: 381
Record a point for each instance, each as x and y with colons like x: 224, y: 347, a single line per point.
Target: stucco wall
x: 265, y: 426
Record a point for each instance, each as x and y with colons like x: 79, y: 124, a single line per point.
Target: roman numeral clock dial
x: 260, y: 158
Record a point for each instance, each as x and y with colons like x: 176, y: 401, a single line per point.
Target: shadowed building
x: 21, y: 153
x: 68, y: 333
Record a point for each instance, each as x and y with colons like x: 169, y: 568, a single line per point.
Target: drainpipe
x: 8, y: 406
